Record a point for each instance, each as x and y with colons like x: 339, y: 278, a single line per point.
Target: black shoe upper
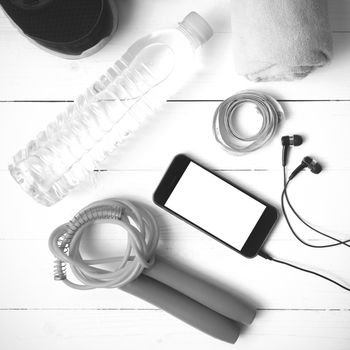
x: 66, y: 26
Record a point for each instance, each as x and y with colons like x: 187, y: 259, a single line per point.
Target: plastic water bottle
x: 66, y: 153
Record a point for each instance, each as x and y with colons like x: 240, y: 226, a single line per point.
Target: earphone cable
x: 269, y: 257
x: 292, y: 229
x: 285, y: 197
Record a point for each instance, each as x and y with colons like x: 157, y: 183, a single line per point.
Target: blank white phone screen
x: 215, y: 206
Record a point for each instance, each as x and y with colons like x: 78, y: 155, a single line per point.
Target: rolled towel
x: 280, y: 39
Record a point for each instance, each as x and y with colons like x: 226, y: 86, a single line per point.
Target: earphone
x: 315, y: 167
x: 295, y: 140
x: 307, y: 162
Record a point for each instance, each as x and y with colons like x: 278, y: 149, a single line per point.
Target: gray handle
x: 184, y: 308
x: 205, y: 293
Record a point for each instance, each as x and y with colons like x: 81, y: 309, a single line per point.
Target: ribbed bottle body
x: 86, y: 132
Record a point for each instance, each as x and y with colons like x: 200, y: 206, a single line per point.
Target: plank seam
x: 180, y: 100
x: 157, y: 309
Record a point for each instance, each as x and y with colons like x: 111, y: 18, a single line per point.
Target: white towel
x: 280, y: 39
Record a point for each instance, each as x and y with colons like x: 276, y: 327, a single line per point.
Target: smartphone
x: 215, y: 206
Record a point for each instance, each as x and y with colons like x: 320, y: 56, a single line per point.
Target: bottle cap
x: 198, y: 27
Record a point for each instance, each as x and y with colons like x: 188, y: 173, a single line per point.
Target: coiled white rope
x: 142, y: 240
x: 230, y: 138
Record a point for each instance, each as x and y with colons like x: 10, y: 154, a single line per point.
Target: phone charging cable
x: 224, y: 121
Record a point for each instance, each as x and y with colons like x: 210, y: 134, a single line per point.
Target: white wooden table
x: 296, y: 311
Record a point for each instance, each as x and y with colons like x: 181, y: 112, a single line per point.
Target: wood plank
x: 26, y: 259
x: 45, y: 77
x: 296, y: 310
x: 262, y: 283
x: 325, y: 192
x: 322, y: 330
x: 186, y: 127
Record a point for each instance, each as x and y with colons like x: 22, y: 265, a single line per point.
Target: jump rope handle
x: 184, y: 308
x: 205, y: 293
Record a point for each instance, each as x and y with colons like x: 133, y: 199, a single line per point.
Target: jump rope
x: 142, y: 273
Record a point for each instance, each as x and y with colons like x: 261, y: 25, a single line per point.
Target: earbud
x: 307, y: 162
x: 313, y: 165
x: 295, y: 140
